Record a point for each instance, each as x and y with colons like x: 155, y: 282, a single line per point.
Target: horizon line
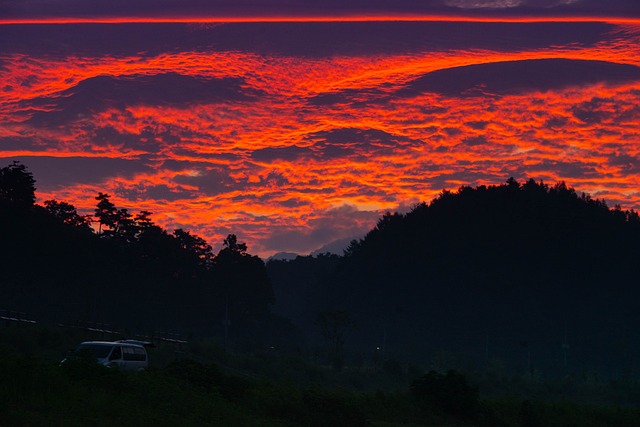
x: 316, y: 19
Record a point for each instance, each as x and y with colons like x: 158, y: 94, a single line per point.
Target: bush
x: 325, y: 409
x: 208, y: 378
x: 448, y: 394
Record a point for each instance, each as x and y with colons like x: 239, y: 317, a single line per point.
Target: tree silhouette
x: 244, y: 284
x: 126, y: 227
x: 106, y: 212
x: 194, y: 245
x: 17, y: 186
x: 516, y: 259
x: 143, y: 219
x: 334, y: 324
x: 231, y: 243
x: 67, y: 213
x: 121, y: 224
x: 155, y: 279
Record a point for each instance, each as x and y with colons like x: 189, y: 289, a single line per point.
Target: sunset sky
x: 296, y: 124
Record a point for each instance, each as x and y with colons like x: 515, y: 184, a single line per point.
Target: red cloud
x: 272, y: 163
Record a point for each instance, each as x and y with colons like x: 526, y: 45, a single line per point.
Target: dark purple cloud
x: 575, y: 169
x: 99, y: 93
x: 148, y: 139
x: 290, y: 154
x: 336, y: 144
x: 58, y: 172
x: 350, y: 96
x: 212, y: 181
x: 159, y: 192
x: 502, y: 78
x: 89, y: 39
x: 83, y: 8
x: 478, y: 125
x: 18, y: 143
x: 493, y: 79
x: 295, y: 38
x: 344, y: 142
x: 451, y: 180
x: 628, y: 163
x: 598, y: 110
x: 472, y: 141
x: 556, y: 122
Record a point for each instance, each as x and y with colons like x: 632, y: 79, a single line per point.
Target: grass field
x: 261, y: 390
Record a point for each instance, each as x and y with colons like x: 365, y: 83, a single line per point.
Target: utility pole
x: 525, y: 345
x: 486, y: 346
x: 384, y: 341
x: 226, y: 322
x: 565, y: 346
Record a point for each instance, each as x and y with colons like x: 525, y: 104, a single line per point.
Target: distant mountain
x: 336, y: 247
x: 522, y: 273
x: 282, y: 256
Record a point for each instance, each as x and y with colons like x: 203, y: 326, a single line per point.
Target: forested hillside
x: 123, y: 272
x: 526, y: 276
x: 519, y: 277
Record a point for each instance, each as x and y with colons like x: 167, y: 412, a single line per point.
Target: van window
x: 99, y: 351
x: 116, y: 354
x: 128, y: 353
x: 140, y: 354
x: 134, y: 354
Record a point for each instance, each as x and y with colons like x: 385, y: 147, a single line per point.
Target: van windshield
x: 99, y: 351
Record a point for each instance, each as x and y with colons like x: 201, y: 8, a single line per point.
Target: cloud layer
x: 203, y: 8
x: 292, y: 143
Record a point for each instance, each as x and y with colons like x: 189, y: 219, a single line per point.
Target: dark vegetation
x: 35, y: 392
x: 126, y: 272
x: 519, y: 278
x: 509, y: 305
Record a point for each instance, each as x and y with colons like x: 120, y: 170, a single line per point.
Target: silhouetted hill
x: 282, y: 256
x: 126, y: 274
x: 335, y: 247
x: 485, y: 274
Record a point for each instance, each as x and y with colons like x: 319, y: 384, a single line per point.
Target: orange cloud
x: 273, y: 146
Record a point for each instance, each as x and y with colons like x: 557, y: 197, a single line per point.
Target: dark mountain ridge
x: 527, y: 274
x: 124, y: 273
x: 515, y: 277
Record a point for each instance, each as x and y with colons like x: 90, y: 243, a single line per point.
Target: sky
x: 172, y: 9
x: 298, y: 124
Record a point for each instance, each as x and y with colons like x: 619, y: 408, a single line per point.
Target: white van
x: 126, y: 354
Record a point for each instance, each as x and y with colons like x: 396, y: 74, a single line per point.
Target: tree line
x: 523, y: 275
x: 122, y: 269
x: 526, y: 276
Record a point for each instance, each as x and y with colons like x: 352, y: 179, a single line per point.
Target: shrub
x: 208, y: 378
x: 325, y: 409
x: 449, y: 394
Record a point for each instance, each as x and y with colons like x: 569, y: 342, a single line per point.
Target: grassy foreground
x: 235, y: 390
x: 34, y: 392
